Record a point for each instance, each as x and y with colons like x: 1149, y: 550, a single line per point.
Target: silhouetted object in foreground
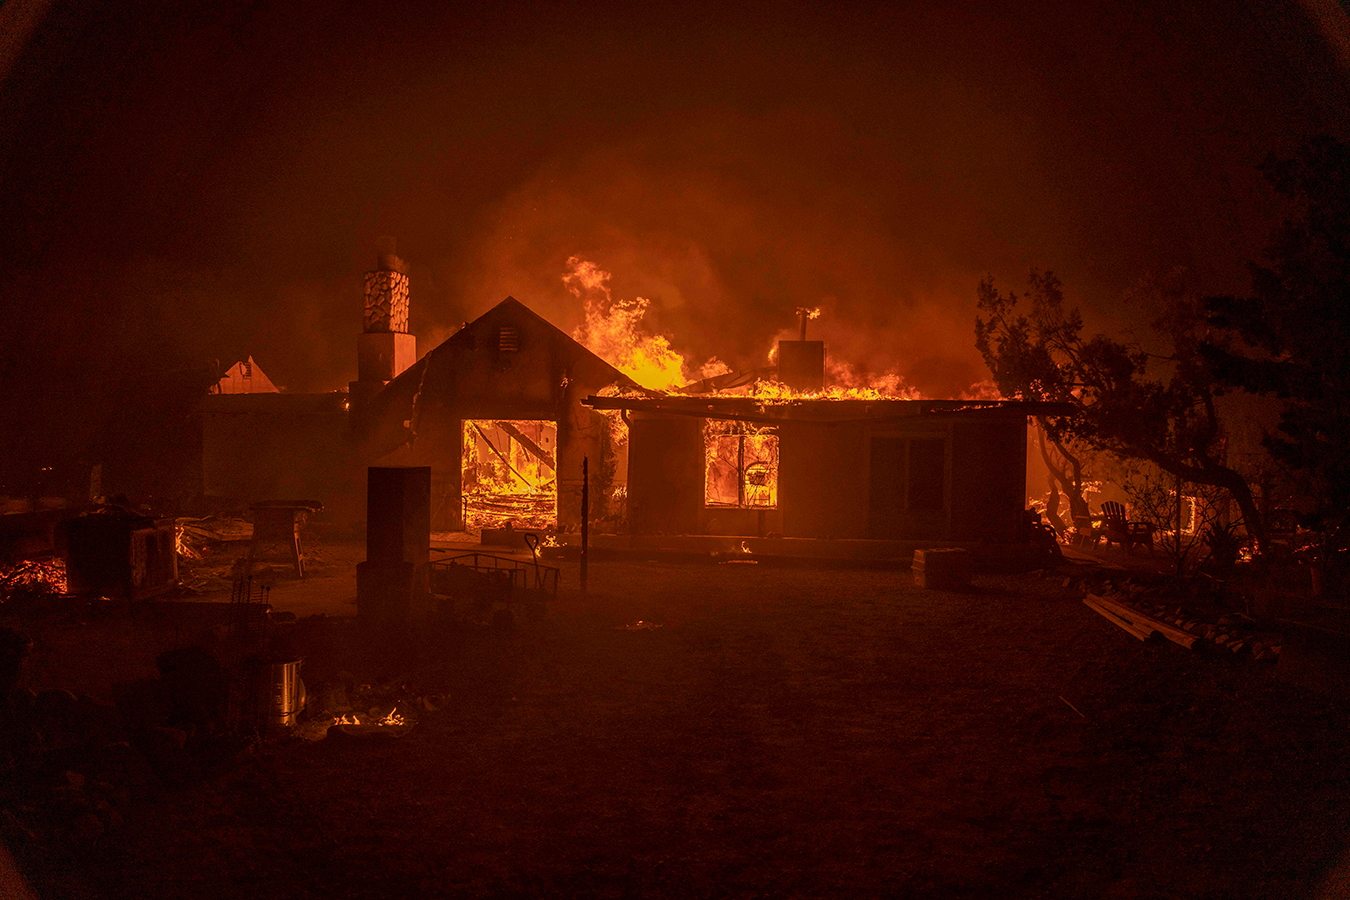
x: 1293, y: 331
x: 585, y: 520
x: 115, y: 552
x: 398, y: 541
x: 1038, y: 351
x: 276, y: 526
x: 1116, y: 529
x: 943, y: 569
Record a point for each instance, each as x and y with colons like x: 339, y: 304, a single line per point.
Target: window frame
x: 740, y: 430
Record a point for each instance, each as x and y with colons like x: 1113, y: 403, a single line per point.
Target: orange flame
x: 390, y: 718
x: 613, y: 331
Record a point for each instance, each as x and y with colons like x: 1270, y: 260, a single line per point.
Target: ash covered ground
x: 764, y: 731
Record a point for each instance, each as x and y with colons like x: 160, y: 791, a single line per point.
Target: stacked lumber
x: 1140, y: 625
x: 1143, y: 620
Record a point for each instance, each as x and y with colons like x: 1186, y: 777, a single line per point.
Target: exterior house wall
x: 988, y: 479
x: 820, y: 491
x: 533, y: 372
x: 280, y: 447
x: 973, y: 470
x: 665, y: 474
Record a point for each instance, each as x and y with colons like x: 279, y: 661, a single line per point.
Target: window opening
x: 741, y: 470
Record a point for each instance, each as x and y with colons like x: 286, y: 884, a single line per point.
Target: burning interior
x: 741, y: 465
x: 510, y: 474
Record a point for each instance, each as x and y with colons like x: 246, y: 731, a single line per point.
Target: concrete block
x: 384, y: 594
x: 942, y: 569
x: 398, y: 519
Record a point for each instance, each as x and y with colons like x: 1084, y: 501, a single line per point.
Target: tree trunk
x: 1251, y: 516
x: 1053, y: 477
x: 1052, y: 508
x: 1216, y: 475
x: 1073, y: 486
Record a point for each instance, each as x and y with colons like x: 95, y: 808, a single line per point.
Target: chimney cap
x: 388, y: 260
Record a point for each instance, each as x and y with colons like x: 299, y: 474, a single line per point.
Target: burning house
x: 497, y: 412
x: 504, y: 412
x: 913, y: 470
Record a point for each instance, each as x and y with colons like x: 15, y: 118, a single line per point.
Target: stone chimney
x: 384, y: 349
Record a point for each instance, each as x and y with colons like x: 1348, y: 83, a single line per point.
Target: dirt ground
x: 783, y: 732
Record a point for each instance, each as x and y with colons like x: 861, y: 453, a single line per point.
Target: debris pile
x: 1146, y: 613
x: 197, y: 538
x: 341, y: 708
x: 32, y: 582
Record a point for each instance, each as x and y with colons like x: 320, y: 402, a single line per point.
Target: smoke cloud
x: 194, y: 185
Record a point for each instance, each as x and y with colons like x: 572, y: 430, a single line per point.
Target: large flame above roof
x: 613, y: 331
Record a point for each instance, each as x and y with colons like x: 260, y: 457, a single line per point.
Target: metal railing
x: 521, y: 575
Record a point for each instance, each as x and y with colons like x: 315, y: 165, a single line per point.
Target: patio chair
x: 1117, y: 529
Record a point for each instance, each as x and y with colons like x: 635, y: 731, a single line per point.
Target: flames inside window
x: 741, y: 465
x: 510, y: 474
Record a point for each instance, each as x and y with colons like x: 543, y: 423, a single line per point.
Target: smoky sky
x: 185, y: 184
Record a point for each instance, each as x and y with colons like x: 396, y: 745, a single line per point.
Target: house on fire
x: 505, y: 411
x: 496, y: 412
x: 914, y: 470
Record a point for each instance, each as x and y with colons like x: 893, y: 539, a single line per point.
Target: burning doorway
x: 509, y: 472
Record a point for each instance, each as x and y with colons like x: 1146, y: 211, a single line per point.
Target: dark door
x: 927, y: 474
x: 886, y: 503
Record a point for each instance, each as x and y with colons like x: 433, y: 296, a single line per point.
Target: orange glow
x: 613, y: 333
x: 776, y: 392
x: 510, y: 474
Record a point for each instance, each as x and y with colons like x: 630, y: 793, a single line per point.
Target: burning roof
x: 826, y: 410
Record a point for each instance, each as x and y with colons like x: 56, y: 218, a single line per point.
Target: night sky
x: 185, y: 184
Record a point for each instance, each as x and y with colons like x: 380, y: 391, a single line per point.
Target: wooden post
x: 585, y: 517
x: 1181, y: 562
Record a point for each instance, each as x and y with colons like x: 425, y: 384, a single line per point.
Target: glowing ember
x: 391, y: 718
x: 886, y: 387
x: 183, y: 548
x: 34, y: 575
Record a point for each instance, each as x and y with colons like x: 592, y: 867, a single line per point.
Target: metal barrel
x: 281, y: 693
